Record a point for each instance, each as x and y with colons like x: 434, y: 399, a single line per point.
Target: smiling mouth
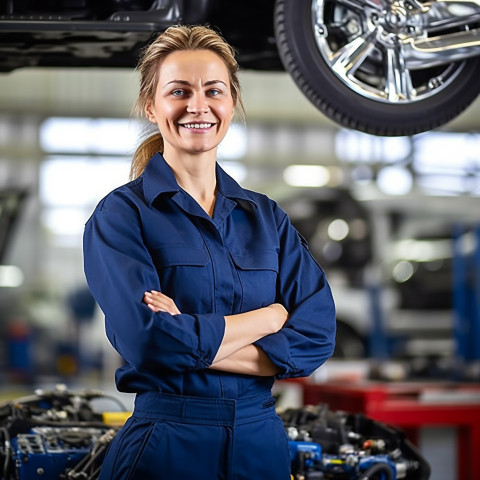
x: 197, y: 126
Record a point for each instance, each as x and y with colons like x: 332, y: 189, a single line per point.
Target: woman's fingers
x: 159, y: 302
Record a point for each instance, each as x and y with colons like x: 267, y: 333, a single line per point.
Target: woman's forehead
x: 193, y: 65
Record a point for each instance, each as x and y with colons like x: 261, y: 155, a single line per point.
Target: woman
x: 208, y: 291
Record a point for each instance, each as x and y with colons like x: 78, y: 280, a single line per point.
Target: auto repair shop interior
x: 391, y: 214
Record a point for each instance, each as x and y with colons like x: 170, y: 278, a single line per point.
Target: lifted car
x: 379, y: 66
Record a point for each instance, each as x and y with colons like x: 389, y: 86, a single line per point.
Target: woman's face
x: 193, y: 105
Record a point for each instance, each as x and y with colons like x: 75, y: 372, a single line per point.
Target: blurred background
x: 394, y: 222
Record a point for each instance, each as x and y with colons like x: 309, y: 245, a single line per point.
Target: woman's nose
x: 197, y: 104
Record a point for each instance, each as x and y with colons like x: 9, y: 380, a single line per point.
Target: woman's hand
x: 159, y: 302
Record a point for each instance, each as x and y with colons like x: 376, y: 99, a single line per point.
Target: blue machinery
x: 57, y: 435
x: 326, y: 445
x: 466, y: 305
x: 466, y: 295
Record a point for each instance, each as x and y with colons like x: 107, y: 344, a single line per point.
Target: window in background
x: 71, y: 186
x: 438, y: 163
x: 87, y: 158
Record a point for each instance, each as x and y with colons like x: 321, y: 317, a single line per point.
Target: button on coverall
x: 191, y: 422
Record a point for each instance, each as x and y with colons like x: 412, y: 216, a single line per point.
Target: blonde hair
x: 177, y: 38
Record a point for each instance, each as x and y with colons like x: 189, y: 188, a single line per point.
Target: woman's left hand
x: 159, y: 302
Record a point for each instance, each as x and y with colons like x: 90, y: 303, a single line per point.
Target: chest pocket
x: 257, y: 273
x: 185, y: 275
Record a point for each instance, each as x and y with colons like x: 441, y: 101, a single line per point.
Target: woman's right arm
x: 119, y: 269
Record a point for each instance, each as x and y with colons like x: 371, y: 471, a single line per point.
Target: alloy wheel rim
x: 361, y: 42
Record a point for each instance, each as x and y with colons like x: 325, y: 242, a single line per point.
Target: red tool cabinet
x: 411, y: 406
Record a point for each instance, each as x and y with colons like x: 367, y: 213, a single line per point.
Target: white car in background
x: 393, y: 294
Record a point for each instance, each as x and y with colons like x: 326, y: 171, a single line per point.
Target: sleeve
x: 119, y: 270
x: 308, y: 338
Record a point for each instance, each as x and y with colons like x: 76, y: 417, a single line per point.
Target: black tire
x: 303, y: 60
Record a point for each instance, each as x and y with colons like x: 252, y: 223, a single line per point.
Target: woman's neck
x: 196, y: 175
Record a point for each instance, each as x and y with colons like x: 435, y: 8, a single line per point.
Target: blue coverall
x: 189, y: 421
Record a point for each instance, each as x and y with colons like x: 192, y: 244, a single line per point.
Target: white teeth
x: 197, y: 125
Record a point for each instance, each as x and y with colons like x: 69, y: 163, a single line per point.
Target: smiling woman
x: 191, y: 42
x: 208, y: 291
x: 192, y: 106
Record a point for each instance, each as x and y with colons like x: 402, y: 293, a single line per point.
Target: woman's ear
x: 149, y: 113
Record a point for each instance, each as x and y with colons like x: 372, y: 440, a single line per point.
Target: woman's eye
x: 177, y: 93
x: 214, y: 92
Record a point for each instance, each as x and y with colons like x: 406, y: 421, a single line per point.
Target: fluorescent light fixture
x: 80, y: 181
x: 447, y: 152
x: 234, y: 144
x: 446, y: 185
x: 394, y: 180
x: 359, y: 147
x: 10, y: 276
x: 422, y: 250
x: 306, y: 175
x: 236, y: 170
x: 89, y: 135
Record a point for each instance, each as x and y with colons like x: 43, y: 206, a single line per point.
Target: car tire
x: 333, y: 95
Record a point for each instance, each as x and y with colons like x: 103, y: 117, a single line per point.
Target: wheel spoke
x: 360, y: 5
x: 398, y: 81
x: 347, y: 59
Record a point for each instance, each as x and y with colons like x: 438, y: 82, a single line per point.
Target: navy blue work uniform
x: 189, y: 421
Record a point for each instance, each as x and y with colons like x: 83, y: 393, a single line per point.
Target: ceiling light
x: 338, y: 229
x: 306, y: 175
x: 10, y: 276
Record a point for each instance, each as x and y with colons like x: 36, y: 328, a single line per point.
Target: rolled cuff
x: 277, y: 348
x: 211, y: 330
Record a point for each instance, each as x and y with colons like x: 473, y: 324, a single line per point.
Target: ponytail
x: 145, y: 151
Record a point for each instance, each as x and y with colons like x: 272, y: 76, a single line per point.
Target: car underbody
x: 81, y: 33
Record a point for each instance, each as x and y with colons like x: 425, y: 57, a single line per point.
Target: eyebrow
x: 184, y: 82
